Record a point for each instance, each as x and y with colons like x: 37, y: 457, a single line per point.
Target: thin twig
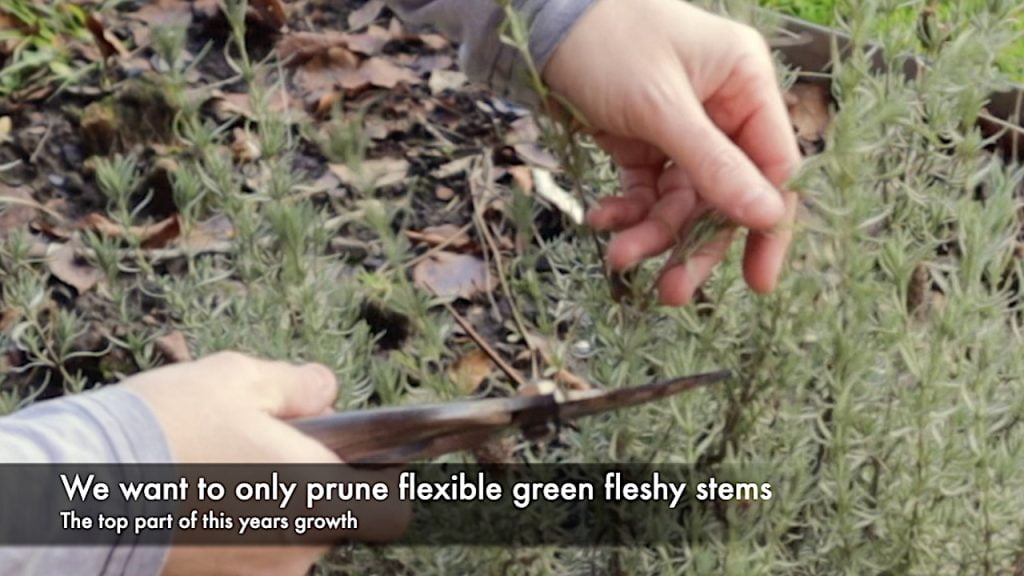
x: 42, y: 142
x: 496, y: 251
x: 436, y: 248
x: 491, y: 353
x: 32, y: 204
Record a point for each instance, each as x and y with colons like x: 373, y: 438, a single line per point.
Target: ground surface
x: 171, y: 187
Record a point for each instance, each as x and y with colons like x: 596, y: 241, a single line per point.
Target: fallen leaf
x: 106, y: 41
x: 522, y: 178
x: 471, y: 370
x: 173, y: 347
x: 167, y: 13
x: 369, y: 43
x: 522, y: 130
x: 378, y: 128
x: 566, y: 203
x: 435, y: 42
x: 384, y: 73
x: 454, y: 167
x: 365, y: 14
x: 16, y: 208
x: 534, y: 154
x: 271, y: 12
x: 159, y: 234
x: 441, y: 80
x: 297, y: 48
x: 810, y: 114
x: 379, y: 173
x: 430, y: 62
x: 5, y: 128
x: 448, y: 234
x: 99, y: 223
x: 153, y: 235
x: 70, y: 268
x: 277, y: 103
x: 208, y: 233
x: 245, y: 147
x: 451, y: 275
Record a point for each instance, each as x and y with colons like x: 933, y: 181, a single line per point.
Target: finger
x: 280, y: 389
x: 751, y: 110
x: 723, y: 175
x: 766, y: 251
x: 678, y: 284
x: 639, y: 187
x: 614, y: 213
x: 655, y: 234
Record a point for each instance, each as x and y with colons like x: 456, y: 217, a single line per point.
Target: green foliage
x: 41, y: 42
x: 877, y: 388
x: 951, y: 19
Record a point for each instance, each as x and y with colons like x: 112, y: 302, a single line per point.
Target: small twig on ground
x: 484, y: 177
x: 436, y: 248
x: 32, y: 204
x: 491, y: 353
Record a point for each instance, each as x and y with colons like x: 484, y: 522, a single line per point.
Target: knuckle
x: 752, y: 40
x: 720, y: 163
x: 649, y: 103
x: 231, y: 366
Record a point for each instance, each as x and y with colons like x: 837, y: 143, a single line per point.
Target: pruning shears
x: 399, y: 435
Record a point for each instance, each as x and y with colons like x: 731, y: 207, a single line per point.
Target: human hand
x: 686, y: 104
x: 230, y: 408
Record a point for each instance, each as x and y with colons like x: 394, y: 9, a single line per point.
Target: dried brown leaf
x: 245, y: 147
x: 454, y: 167
x: 471, y: 370
x: 108, y: 43
x: 441, y: 80
x: 522, y: 177
x: 298, y: 47
x: 534, y: 154
x: 365, y: 15
x: 384, y: 73
x: 173, y: 347
x: 159, y: 234
x: 435, y: 42
x: 17, y: 211
x: 522, y: 130
x: 369, y: 43
x: 153, y: 235
x: 447, y: 234
x: 451, y: 275
x: 169, y: 13
x: 271, y: 12
x: 380, y: 173
x: 70, y: 268
x: 208, y: 233
x: 810, y: 113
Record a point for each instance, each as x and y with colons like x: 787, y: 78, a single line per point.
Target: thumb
x: 288, y: 391
x: 724, y: 176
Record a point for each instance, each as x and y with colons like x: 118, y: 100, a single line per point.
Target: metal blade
x: 603, y: 401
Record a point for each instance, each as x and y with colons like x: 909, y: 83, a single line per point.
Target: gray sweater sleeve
x: 475, y: 24
x: 111, y: 425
